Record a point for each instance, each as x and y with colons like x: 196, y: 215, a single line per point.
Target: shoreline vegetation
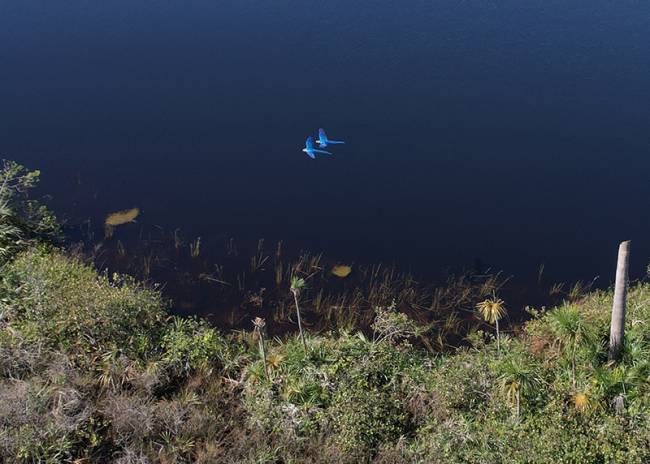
x: 95, y: 368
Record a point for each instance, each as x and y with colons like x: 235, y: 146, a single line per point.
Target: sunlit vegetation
x: 492, y: 310
x: 23, y: 220
x: 119, y: 218
x: 341, y: 270
x: 122, y: 217
x: 94, y: 369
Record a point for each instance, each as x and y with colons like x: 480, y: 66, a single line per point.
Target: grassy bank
x: 94, y: 369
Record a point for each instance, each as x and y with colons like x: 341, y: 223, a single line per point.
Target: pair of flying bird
x: 322, y: 141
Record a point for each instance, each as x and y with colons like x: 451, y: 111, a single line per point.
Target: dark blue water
x: 513, y: 132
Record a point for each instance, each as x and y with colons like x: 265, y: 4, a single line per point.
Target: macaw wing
x: 309, y: 143
x: 322, y: 135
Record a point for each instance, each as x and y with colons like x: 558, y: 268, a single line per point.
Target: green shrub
x: 188, y: 345
x: 369, y: 404
x: 63, y: 303
x: 22, y: 220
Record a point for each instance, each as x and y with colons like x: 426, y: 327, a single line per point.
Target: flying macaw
x: 311, y: 151
x: 323, y: 141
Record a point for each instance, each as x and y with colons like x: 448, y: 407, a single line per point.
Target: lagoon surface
x: 517, y: 133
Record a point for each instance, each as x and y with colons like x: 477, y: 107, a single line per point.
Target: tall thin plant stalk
x: 297, y: 285
x: 493, y: 309
x: 259, y: 324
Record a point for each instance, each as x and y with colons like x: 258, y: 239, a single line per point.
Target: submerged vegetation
x: 341, y: 270
x: 93, y: 368
x: 119, y: 218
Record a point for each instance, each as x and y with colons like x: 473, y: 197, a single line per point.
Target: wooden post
x: 617, y: 328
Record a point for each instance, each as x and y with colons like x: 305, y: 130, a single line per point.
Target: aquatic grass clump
x: 195, y: 248
x: 237, y: 279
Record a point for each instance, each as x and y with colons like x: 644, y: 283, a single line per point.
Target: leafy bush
x: 189, y: 345
x: 91, y: 368
x: 369, y: 407
x: 65, y: 304
x: 22, y: 220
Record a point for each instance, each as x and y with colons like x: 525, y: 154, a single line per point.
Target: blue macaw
x: 311, y: 151
x: 323, y: 141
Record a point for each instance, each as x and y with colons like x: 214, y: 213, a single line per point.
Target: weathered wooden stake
x: 617, y: 328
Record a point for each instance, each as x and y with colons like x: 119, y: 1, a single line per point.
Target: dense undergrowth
x: 93, y: 369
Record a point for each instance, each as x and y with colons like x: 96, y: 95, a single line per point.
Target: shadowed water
x: 512, y: 132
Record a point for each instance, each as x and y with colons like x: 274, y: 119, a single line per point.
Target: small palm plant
x: 582, y: 402
x: 570, y: 328
x: 517, y: 378
x: 297, y: 284
x: 274, y: 360
x: 492, y: 310
x: 620, y: 383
